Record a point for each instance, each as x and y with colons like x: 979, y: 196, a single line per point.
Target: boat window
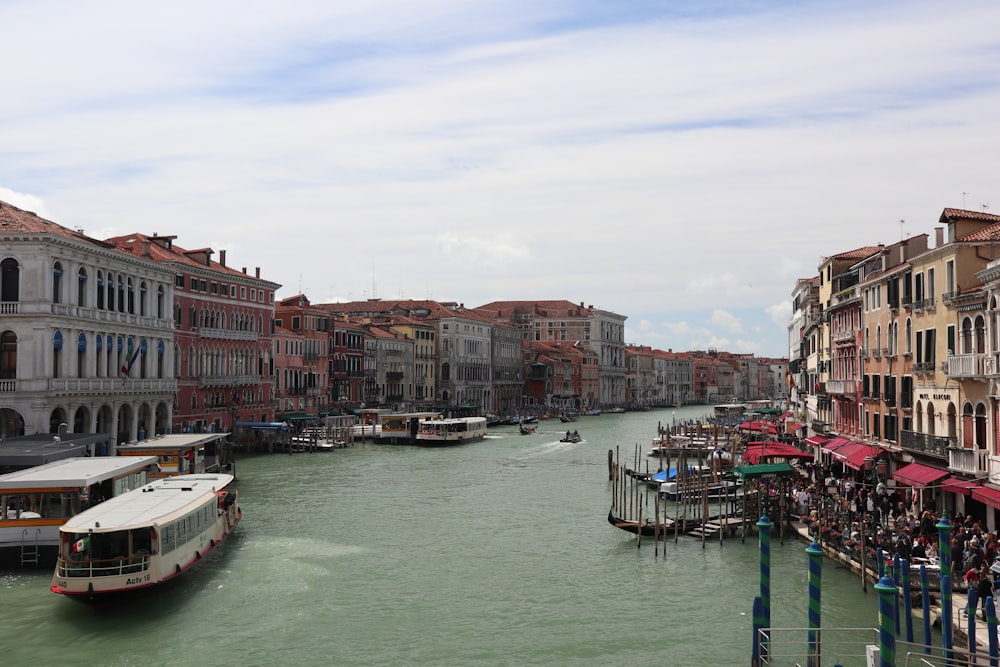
x: 49, y: 505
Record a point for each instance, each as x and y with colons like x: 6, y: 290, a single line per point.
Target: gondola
x: 526, y: 430
x: 646, y: 528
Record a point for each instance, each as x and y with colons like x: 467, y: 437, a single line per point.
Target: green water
x: 492, y: 553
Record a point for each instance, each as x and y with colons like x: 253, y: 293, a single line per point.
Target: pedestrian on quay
x: 985, y: 586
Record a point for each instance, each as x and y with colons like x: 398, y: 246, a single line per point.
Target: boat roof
x: 33, y: 450
x: 78, y: 471
x: 145, y: 505
x: 177, y: 441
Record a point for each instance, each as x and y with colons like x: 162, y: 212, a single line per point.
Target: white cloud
x: 663, y: 166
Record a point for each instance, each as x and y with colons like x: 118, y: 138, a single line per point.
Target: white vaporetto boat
x: 145, y: 537
x: 455, y: 431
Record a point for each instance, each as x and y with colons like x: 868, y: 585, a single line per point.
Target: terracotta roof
x: 950, y: 214
x: 162, y: 249
x: 17, y: 221
x: 860, y: 253
x: 987, y: 233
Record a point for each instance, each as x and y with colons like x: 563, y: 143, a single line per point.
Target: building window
x: 81, y: 288
x: 57, y: 272
x: 8, y: 355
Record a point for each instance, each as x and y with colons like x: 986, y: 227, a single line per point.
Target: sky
x: 680, y: 163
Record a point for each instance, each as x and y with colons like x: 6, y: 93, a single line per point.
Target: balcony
x: 105, y: 385
x: 976, y: 365
x: 227, y: 380
x: 394, y: 376
x: 923, y: 367
x: 846, y: 388
x: 925, y: 443
x: 226, y: 334
x: 844, y: 336
x: 974, y: 462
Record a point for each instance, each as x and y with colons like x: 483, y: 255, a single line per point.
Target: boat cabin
x: 35, y: 501
x: 178, y: 453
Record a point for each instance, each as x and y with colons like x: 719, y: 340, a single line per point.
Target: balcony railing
x: 226, y: 334
x: 923, y: 367
x: 971, y: 461
x: 969, y: 365
x: 925, y: 443
x: 227, y: 380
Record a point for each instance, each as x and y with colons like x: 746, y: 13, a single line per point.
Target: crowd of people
x: 870, y: 517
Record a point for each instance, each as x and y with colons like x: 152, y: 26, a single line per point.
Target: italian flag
x: 81, y: 545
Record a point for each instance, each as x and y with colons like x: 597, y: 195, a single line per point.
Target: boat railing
x: 106, y: 567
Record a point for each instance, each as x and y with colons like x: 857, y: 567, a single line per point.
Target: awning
x: 816, y: 441
x: 791, y: 427
x: 985, y: 494
x: 295, y: 415
x: 959, y: 485
x: 918, y: 475
x: 764, y: 470
x: 833, y: 445
x: 757, y: 452
x: 853, y: 454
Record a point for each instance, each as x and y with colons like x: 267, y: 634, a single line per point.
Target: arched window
x: 111, y: 291
x: 10, y: 278
x: 81, y: 355
x: 81, y: 287
x: 981, y: 426
x: 980, y: 334
x: 57, y: 345
x: 121, y: 294
x: 909, y: 337
x: 57, y: 272
x: 160, y: 302
x: 8, y: 355
x: 98, y: 354
x: 159, y: 359
x: 130, y: 291
x: 142, y: 298
x: 100, y: 290
x: 966, y: 337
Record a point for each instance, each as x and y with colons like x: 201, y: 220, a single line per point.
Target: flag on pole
x: 81, y: 545
x: 133, y: 355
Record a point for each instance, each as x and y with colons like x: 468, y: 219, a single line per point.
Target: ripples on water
x: 494, y: 553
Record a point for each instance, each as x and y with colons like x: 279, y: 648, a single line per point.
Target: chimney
x: 222, y: 257
x: 938, y: 237
x: 145, y: 248
x: 257, y: 272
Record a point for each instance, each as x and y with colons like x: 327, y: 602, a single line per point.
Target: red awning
x: 791, y: 427
x: 918, y: 475
x: 985, y: 494
x: 816, y: 441
x: 757, y: 451
x: 854, y: 454
x: 958, y: 485
x: 785, y: 416
x: 834, y: 444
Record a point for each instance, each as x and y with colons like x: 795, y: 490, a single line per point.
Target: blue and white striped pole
x: 815, y: 589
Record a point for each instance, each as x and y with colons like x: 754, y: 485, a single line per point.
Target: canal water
x: 492, y: 553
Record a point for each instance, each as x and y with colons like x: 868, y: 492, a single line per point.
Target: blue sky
x: 679, y: 163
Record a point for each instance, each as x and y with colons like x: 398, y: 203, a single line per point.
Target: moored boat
x: 145, y: 537
x: 669, y: 490
x: 455, y: 431
x: 646, y: 528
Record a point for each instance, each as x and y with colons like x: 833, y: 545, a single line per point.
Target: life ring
x: 189, y: 455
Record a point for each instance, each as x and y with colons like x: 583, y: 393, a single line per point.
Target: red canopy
x: 985, y: 494
x: 758, y: 451
x: 918, y: 475
x: 853, y: 454
x: 760, y: 426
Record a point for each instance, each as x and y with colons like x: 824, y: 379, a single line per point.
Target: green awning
x: 765, y: 470
x: 295, y: 415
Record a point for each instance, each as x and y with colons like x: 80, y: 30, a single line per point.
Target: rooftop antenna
x: 963, y: 198
x: 986, y: 206
x: 901, y: 223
